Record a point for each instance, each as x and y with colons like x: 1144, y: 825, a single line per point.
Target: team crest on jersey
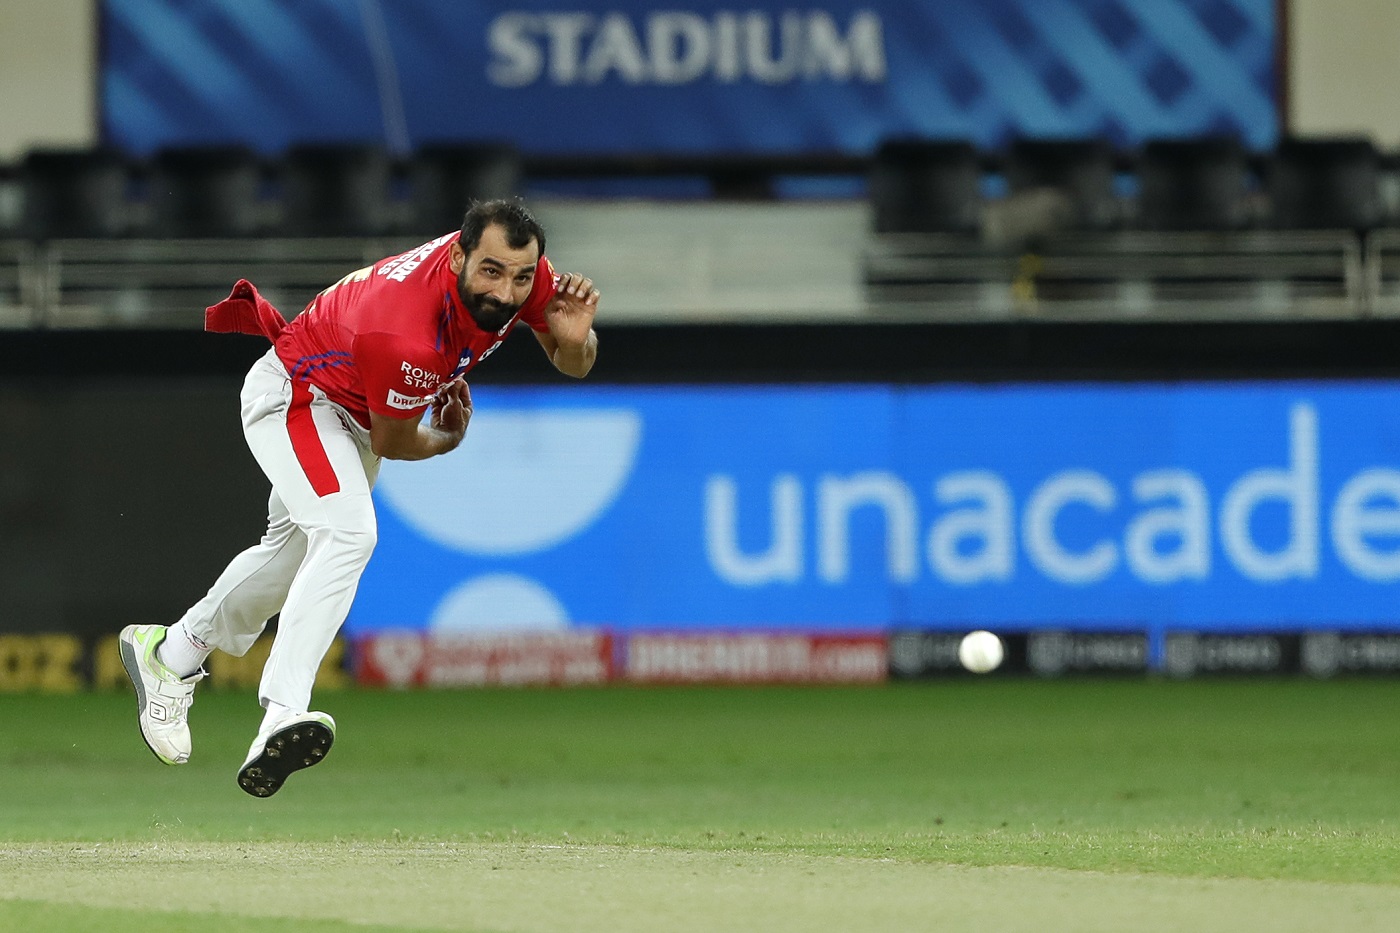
x: 463, y: 364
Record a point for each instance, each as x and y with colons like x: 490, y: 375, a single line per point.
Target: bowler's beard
x: 488, y: 313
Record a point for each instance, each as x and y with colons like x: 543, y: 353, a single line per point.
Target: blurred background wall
x: 899, y: 386
x: 1334, y: 51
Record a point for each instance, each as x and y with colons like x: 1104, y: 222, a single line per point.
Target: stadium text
x: 1165, y: 535
x: 676, y: 47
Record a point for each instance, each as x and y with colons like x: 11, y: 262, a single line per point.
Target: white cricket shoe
x: 163, y: 697
x: 288, y: 745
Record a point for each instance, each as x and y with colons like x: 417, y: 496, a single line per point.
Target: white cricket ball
x: 981, y: 652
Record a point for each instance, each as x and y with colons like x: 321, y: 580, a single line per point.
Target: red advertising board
x: 418, y: 659
x: 748, y: 657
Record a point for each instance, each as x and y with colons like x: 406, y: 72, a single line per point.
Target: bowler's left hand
x: 570, y: 312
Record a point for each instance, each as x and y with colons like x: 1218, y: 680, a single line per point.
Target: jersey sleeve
x: 546, y: 282
x: 400, y: 375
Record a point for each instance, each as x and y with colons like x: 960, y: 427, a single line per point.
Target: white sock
x: 182, y: 652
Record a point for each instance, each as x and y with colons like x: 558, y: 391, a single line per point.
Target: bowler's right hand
x: 452, y: 408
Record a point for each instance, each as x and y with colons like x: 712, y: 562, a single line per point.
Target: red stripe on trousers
x: 306, y: 443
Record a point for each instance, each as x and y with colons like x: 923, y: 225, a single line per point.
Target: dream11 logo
x: 523, y: 482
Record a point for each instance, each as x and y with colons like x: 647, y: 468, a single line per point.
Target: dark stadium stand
x: 74, y: 193
x: 331, y: 190
x: 1082, y: 169
x: 1048, y: 229
x: 205, y: 191
x: 1325, y: 184
x: 926, y: 186
x: 444, y: 177
x: 1194, y: 184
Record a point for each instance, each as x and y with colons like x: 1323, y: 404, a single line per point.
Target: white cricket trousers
x: 321, y: 531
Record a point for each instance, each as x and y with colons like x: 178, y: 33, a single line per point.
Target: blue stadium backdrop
x: 697, y: 76
x: 1236, y: 507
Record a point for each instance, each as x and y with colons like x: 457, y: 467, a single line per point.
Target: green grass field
x: 970, y: 805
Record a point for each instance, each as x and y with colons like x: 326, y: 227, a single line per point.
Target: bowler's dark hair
x: 519, y: 224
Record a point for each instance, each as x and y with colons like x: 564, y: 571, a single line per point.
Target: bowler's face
x: 494, y: 280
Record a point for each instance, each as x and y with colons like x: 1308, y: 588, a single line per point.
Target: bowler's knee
x: 357, y: 542
x: 351, y: 542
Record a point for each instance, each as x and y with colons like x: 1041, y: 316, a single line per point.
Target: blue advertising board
x: 1240, y: 506
x: 703, y: 76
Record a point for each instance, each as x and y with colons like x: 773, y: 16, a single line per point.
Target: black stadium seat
x: 444, y: 178
x: 1194, y: 184
x: 1080, y: 168
x: 1319, y: 184
x: 926, y: 186
x: 336, y: 190
x: 206, y: 191
x: 74, y: 193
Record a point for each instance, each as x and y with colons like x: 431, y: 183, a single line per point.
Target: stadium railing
x: 1049, y: 243
x: 163, y: 283
x: 1125, y: 275
x: 1382, y: 270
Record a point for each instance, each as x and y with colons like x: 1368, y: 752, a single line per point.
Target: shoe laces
x: 180, y: 706
x: 178, y: 695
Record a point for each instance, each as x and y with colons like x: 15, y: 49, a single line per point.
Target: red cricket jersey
x: 385, y: 338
